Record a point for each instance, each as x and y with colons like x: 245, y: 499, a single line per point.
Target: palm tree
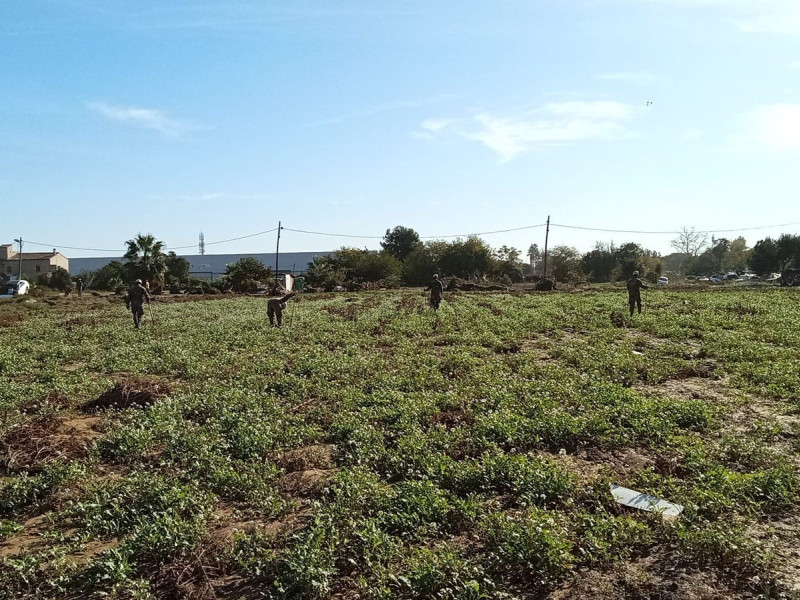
x: 534, y: 255
x: 146, y: 258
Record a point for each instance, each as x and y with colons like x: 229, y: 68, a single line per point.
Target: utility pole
x: 19, y: 241
x: 277, y: 250
x: 546, y: 236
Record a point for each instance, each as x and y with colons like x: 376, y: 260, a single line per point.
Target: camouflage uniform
x: 275, y: 308
x: 634, y: 294
x: 137, y: 294
x: 436, y: 288
x: 79, y: 286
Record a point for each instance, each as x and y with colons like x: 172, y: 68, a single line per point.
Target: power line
x: 422, y: 237
x: 610, y: 230
x: 71, y: 247
x: 430, y: 237
x: 366, y: 237
x: 752, y: 228
x: 242, y: 237
x: 169, y: 247
x: 672, y: 232
x: 434, y: 237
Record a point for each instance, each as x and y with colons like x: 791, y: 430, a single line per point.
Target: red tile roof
x: 32, y: 256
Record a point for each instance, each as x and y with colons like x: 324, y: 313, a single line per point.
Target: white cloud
x: 436, y: 125
x: 429, y: 128
x: 636, y: 77
x: 146, y: 118
x: 385, y: 107
x: 556, y: 123
x: 773, y: 128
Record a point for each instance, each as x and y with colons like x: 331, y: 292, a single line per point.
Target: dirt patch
x: 589, y: 463
x: 206, y: 573
x: 756, y: 414
x: 92, y: 550
x: 783, y: 533
x: 310, y: 483
x: 695, y: 388
x: 226, y: 525
x: 317, y: 456
x: 72, y: 367
x: 8, y: 319
x: 44, y: 440
x: 624, y: 460
x: 29, y: 538
x: 133, y: 392
x: 452, y: 418
x: 655, y: 577
x: 705, y: 369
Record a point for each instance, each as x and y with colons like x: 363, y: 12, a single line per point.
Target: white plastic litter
x: 646, y: 502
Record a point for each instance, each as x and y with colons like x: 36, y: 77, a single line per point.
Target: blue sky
x: 449, y: 117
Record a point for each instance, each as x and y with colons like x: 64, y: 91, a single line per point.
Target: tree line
x: 404, y: 259
x: 698, y: 256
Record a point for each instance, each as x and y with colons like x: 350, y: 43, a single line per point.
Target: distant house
x: 32, y: 262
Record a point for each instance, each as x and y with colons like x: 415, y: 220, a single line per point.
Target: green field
x: 374, y: 449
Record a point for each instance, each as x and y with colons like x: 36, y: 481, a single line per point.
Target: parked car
x: 663, y: 280
x: 731, y: 275
x: 715, y: 279
x: 16, y: 288
x: 702, y: 279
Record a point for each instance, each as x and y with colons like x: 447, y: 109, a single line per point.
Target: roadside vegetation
x: 374, y: 449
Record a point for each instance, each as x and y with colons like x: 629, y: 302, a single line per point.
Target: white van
x: 16, y: 288
x: 663, y: 280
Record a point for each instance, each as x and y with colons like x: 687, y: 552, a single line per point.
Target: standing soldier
x: 137, y: 294
x: 634, y: 294
x: 436, y: 288
x: 79, y: 285
x: 275, y: 308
